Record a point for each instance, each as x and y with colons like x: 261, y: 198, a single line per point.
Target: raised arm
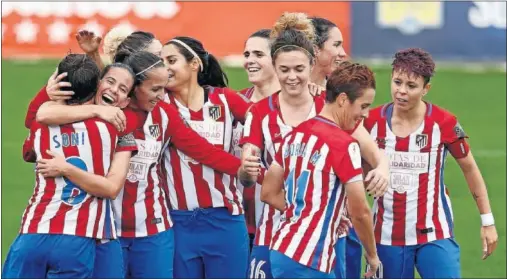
x: 89, y: 43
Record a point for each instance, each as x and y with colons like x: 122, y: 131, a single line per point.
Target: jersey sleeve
x: 34, y: 106
x: 252, y: 130
x: 127, y: 143
x: 238, y: 103
x: 196, y: 147
x: 454, y: 137
x: 347, y: 162
x: 135, y: 120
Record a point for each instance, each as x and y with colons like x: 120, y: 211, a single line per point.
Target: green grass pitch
x: 478, y: 99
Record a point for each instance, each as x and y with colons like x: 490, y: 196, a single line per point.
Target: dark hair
x: 122, y: 66
x: 83, y: 74
x: 414, y: 61
x: 292, y: 31
x: 351, y: 79
x: 134, y: 42
x: 212, y: 74
x: 140, y: 62
x: 261, y: 33
x: 322, y: 27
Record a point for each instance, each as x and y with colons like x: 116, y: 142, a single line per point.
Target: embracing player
x: 63, y: 222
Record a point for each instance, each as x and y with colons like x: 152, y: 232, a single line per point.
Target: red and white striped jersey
x: 250, y: 194
x: 59, y: 206
x: 142, y: 208
x: 192, y: 184
x: 316, y: 168
x: 265, y: 129
x: 416, y: 208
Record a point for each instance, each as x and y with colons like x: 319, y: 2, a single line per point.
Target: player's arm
x: 348, y: 169
x: 378, y: 177
x: 50, y: 92
x: 100, y: 186
x: 198, y: 148
x: 53, y: 113
x: 89, y: 43
x: 460, y: 150
x: 272, y: 191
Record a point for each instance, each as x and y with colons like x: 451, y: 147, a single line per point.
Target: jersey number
x: 256, y: 272
x: 71, y: 193
x: 301, y: 183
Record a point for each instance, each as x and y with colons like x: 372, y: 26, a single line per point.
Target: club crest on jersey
x: 154, y: 130
x: 421, y: 140
x: 215, y: 112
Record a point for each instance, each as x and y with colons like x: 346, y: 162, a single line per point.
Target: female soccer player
x: 210, y: 228
x: 329, y: 54
x: 261, y: 75
x: 413, y: 220
x: 329, y: 49
x: 272, y: 118
x: 62, y: 222
x: 319, y: 170
x: 141, y: 211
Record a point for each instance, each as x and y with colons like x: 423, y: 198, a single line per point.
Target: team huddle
x: 151, y: 167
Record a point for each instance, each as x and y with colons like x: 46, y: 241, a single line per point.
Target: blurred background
x: 467, y: 39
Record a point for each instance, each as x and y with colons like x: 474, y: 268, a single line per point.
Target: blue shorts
x: 435, y: 259
x: 340, y: 268
x: 109, y: 260
x: 260, y: 264
x: 150, y: 256
x: 210, y: 243
x: 285, y: 267
x: 353, y: 253
x: 50, y: 256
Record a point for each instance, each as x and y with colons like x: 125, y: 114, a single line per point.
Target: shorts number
x: 256, y: 272
x: 71, y: 193
x: 301, y: 183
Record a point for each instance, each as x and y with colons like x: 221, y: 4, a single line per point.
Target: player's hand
x: 88, y: 41
x: 51, y: 167
x: 345, y: 225
x: 315, y: 89
x: 251, y: 164
x: 113, y: 115
x: 489, y: 239
x: 377, y: 182
x: 54, y: 85
x: 373, y: 266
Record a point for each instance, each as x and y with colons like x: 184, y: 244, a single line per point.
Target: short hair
x: 322, y: 27
x: 261, y: 33
x: 292, y: 31
x: 414, y: 61
x: 351, y: 79
x: 83, y: 75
